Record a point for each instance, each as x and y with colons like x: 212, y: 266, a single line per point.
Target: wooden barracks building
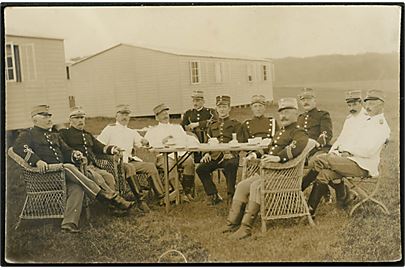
x: 145, y: 77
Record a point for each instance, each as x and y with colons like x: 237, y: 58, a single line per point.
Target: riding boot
x: 308, y: 179
x: 114, y: 199
x: 234, y: 217
x: 343, y: 195
x: 188, y: 184
x: 245, y: 230
x: 318, y: 191
x: 135, y: 188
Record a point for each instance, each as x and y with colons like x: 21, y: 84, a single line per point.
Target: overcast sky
x: 271, y: 31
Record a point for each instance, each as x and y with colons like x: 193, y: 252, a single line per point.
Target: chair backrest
x: 285, y: 176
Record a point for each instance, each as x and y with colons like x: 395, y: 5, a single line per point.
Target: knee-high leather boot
x: 308, y: 179
x: 136, y: 190
x: 114, y: 199
x: 188, y: 185
x: 343, y: 195
x: 318, y: 191
x: 245, y: 230
x: 234, y: 217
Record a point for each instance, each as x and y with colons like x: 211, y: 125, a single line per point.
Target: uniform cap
x: 160, y: 108
x: 353, y: 95
x: 40, y: 109
x: 258, y: 99
x: 197, y: 94
x: 375, y: 94
x: 287, y: 103
x: 307, y: 93
x: 77, y: 111
x: 225, y: 100
x: 123, y: 108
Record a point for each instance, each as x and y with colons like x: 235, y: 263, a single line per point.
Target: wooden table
x: 202, y: 147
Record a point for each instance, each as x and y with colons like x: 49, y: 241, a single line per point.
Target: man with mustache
x: 288, y: 143
x: 127, y: 139
x: 318, y: 125
x: 79, y: 139
x: 39, y: 146
x: 197, y: 119
x: 315, y: 122
x: 221, y: 129
x: 354, y: 121
x: 355, y: 156
x: 161, y: 134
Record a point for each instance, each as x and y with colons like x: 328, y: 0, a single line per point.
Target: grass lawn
x: 193, y: 229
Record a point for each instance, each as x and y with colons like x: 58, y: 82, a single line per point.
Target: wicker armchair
x: 281, y: 195
x: 250, y: 167
x: 45, y: 192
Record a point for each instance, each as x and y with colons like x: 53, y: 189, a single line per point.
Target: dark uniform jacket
x: 85, y: 142
x: 264, y: 127
x: 41, y: 144
x: 203, y: 117
x: 318, y: 125
x: 222, y: 129
x: 288, y: 143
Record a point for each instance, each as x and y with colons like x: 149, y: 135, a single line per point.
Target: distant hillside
x: 336, y: 68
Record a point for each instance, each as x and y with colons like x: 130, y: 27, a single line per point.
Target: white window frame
x: 265, y: 72
x: 195, y: 77
x: 219, y: 74
x: 7, y: 68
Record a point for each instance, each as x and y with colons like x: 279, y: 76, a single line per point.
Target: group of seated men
x: 354, y: 153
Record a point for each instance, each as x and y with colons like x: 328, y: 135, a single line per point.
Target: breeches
x: 332, y: 167
x: 150, y: 169
x: 249, y: 189
x: 102, y: 178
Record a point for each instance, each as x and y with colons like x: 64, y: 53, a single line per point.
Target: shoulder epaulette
x: 112, y: 124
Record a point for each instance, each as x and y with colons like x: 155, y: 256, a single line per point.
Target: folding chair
x: 367, y: 188
x: 45, y: 192
x: 281, y: 195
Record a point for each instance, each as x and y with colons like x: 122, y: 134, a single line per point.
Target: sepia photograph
x: 176, y: 134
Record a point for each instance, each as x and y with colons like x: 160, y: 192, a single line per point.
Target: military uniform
x: 264, y: 127
x: 155, y: 136
x: 86, y: 143
x: 318, y: 125
x: 221, y: 129
x: 126, y: 138
x: 202, y: 117
x: 288, y: 143
x: 362, y: 158
x: 40, y: 144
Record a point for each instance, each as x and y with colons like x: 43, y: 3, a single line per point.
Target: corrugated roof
x: 183, y: 52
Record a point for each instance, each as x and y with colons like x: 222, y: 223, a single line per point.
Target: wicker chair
x: 367, y: 188
x: 45, y: 192
x: 250, y: 167
x: 281, y: 195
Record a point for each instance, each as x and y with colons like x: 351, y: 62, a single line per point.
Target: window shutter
x: 28, y: 62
